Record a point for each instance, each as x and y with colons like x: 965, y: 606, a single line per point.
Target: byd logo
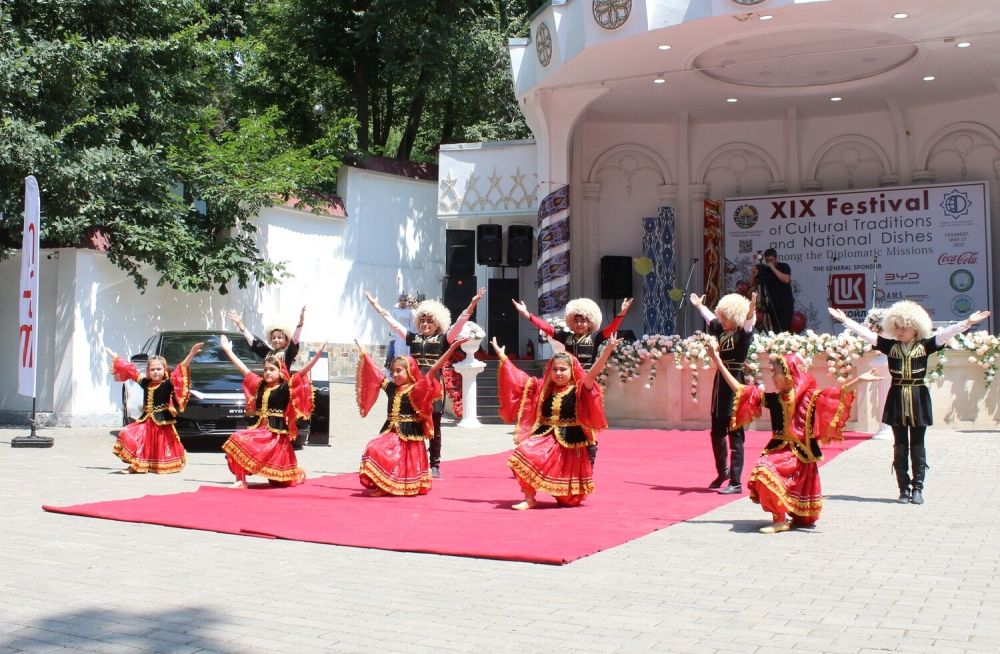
x: 847, y: 291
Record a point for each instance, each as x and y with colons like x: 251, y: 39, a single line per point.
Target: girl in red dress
x: 558, y: 417
x: 151, y: 443
x: 395, y: 462
x: 785, y: 480
x: 277, y: 399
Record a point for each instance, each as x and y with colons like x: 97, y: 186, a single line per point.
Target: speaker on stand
x: 460, y: 252
x: 616, y: 277
x: 489, y: 245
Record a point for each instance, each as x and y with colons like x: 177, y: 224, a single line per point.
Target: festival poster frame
x: 856, y: 249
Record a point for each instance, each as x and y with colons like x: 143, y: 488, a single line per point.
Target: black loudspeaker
x: 502, y: 320
x: 616, y: 277
x: 457, y: 293
x: 520, y: 243
x: 489, y: 245
x: 460, y: 250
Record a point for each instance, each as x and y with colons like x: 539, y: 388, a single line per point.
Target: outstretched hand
x: 111, y: 352
x: 235, y: 316
x: 978, y: 317
x: 837, y: 314
x: 196, y: 348
x: 371, y: 299
x: 225, y: 344
x: 870, y: 376
x: 521, y: 307
x: 626, y: 305
x: 302, y: 315
x: 697, y: 300
x: 499, y: 349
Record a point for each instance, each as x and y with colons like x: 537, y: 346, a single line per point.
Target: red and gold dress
x: 265, y: 449
x: 395, y: 461
x: 786, y: 477
x: 554, y: 426
x: 151, y: 443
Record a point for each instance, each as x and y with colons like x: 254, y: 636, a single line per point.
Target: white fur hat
x: 435, y: 310
x: 587, y: 308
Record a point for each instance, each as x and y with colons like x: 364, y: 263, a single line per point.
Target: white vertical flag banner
x: 28, y: 297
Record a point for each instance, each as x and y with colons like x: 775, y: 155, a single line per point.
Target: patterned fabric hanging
x: 553, y: 253
x: 658, y: 245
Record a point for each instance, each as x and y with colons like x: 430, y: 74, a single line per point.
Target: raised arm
x: 298, y: 327
x: 945, y: 334
x: 463, y: 317
x: 698, y: 302
x: 751, y: 318
x: 595, y: 370
x: 195, y: 349
x: 237, y: 319
x: 533, y: 319
x: 227, y: 347
x: 444, y: 357
x: 617, y: 322
x: 733, y: 383
x: 862, y: 331
x: 393, y: 323
x: 316, y: 357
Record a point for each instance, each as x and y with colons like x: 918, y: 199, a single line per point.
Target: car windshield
x: 174, y: 347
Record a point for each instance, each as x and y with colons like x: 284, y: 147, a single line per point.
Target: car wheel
x: 126, y: 418
x: 302, y: 436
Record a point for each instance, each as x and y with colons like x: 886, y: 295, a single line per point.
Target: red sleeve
x: 180, y: 379
x: 124, y: 370
x: 511, y: 385
x: 368, y: 383
x: 424, y: 393
x: 590, y: 407
x: 613, y: 327
x: 251, y: 382
x: 301, y: 397
x: 747, y: 405
x: 831, y: 409
x: 542, y: 325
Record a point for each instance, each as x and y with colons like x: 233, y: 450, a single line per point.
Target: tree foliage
x: 167, y: 124
x: 120, y: 110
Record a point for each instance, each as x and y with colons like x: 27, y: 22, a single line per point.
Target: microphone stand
x: 875, y: 282
x: 687, y: 286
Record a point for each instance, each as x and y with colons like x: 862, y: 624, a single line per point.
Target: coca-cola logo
x: 963, y: 259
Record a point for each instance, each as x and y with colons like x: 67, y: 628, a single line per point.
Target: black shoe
x: 916, y: 497
x: 719, y: 481
x: 731, y: 489
x: 904, y: 497
x: 435, y: 472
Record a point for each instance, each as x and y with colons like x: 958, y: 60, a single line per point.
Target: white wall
x: 391, y: 239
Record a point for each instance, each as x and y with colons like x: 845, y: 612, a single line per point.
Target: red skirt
x: 148, y: 447
x: 781, y: 483
x: 540, y: 463
x: 262, y: 452
x: 396, y: 466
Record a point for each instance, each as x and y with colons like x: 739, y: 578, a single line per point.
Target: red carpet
x: 645, y: 480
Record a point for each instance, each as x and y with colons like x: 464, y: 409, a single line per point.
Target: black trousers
x: 434, y: 445
x: 908, y: 452
x: 719, y: 433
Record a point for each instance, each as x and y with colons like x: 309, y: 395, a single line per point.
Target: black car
x: 216, y: 407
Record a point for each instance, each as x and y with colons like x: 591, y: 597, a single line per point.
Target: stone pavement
x: 873, y: 576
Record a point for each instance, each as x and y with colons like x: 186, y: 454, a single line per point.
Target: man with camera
x: 773, y: 282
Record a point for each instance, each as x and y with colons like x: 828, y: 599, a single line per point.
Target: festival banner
x: 28, y: 296
x: 855, y: 250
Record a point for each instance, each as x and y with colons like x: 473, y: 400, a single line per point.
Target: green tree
x: 123, y: 111
x: 413, y: 74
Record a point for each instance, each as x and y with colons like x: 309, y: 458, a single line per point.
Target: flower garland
x: 984, y: 349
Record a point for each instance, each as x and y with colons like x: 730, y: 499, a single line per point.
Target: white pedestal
x: 470, y: 369
x: 882, y: 362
